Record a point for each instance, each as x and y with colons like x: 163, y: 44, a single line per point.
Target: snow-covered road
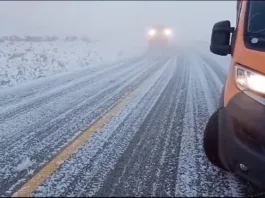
x: 151, y: 147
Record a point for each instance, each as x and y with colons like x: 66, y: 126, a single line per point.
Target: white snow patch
x: 25, y: 164
x: 23, y: 61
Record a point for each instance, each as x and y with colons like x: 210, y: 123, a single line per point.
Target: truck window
x: 254, y: 35
x: 256, y: 16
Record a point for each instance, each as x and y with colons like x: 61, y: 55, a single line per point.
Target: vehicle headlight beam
x: 152, y: 32
x: 248, y: 80
x: 167, y: 32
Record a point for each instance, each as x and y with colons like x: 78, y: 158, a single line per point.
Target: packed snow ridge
x: 29, y: 58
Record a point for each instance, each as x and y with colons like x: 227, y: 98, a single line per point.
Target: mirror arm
x: 231, y: 30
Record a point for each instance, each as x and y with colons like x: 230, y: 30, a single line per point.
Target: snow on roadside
x: 23, y: 61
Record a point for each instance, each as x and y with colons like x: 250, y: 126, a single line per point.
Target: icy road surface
x: 151, y: 147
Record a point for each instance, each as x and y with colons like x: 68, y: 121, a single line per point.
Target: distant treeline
x: 42, y: 38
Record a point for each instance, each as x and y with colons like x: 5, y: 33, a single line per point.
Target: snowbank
x: 23, y: 61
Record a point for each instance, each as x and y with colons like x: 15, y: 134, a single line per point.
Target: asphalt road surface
x: 133, y: 128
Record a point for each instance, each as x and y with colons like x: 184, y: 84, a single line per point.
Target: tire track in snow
x: 139, y: 171
x: 91, y: 164
x: 169, y: 160
x: 48, y: 96
x: 33, y: 138
x: 215, y: 85
x: 200, y: 178
x: 186, y: 177
x: 15, y: 128
x: 71, y: 125
x: 15, y: 94
x: 220, y: 71
x: 140, y: 153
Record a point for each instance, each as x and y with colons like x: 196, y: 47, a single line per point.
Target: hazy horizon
x: 191, y: 20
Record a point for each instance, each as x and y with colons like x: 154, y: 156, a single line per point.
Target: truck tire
x: 210, y: 141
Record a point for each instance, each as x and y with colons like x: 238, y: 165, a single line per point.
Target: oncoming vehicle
x: 159, y: 36
x: 234, y: 137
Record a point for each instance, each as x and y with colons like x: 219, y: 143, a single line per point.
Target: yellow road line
x: 54, y: 164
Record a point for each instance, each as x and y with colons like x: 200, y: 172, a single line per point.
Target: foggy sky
x: 190, y: 19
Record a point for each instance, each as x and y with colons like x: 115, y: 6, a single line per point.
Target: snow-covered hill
x: 22, y: 61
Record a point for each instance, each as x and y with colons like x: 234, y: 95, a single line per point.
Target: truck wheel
x: 210, y: 141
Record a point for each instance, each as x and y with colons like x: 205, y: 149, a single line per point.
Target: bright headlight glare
x: 152, y: 32
x: 168, y: 32
x: 249, y: 80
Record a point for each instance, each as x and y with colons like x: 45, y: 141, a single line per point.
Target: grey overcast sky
x: 119, y: 19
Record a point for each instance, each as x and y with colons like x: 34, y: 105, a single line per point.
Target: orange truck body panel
x: 250, y: 58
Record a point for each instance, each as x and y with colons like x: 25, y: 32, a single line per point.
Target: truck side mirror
x: 220, y: 40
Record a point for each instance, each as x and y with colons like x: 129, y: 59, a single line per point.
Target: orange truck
x: 234, y: 137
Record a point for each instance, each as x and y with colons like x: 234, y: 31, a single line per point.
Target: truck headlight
x: 152, y: 32
x: 168, y: 32
x: 248, y: 80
